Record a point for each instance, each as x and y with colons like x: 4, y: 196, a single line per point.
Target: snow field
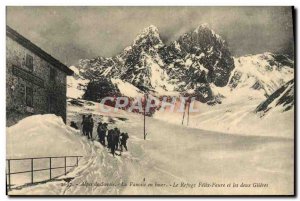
x: 174, y: 154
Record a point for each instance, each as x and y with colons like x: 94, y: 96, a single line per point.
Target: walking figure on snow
x: 87, y: 126
x: 84, y: 125
x: 109, y: 138
x: 90, y: 126
x: 101, y: 131
x: 115, y: 139
x: 124, y: 138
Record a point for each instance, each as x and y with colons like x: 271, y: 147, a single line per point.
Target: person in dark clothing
x: 90, y: 127
x: 73, y: 125
x: 84, y: 125
x: 117, y: 140
x: 99, y: 127
x: 114, y: 141
x: 109, y: 138
x: 101, y: 130
x: 124, y: 138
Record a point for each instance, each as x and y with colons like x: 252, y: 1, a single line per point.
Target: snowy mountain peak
x: 199, y: 61
x: 149, y: 36
x: 202, y: 26
x: 151, y: 28
x: 205, y: 29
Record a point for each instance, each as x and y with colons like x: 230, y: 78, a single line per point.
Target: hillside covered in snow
x: 190, y: 156
x: 265, y: 72
x: 281, y: 100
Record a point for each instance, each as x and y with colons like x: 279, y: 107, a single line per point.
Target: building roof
x: 37, y: 50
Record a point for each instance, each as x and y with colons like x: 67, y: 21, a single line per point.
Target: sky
x: 73, y: 33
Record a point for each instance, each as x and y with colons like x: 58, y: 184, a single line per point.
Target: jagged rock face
x: 141, y: 58
x: 280, y: 61
x: 100, y: 67
x: 197, y: 64
x: 204, y: 52
x: 148, y: 40
x: 188, y: 65
x: 134, y: 64
x: 282, y: 99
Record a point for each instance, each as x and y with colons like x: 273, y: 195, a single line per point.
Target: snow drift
x: 43, y: 135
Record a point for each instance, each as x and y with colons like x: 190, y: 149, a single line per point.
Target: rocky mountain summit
x: 197, y: 64
x: 188, y: 65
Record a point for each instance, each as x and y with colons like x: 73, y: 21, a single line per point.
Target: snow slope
x: 236, y: 118
x: 76, y: 84
x: 252, y: 82
x: 127, y: 89
x: 173, y: 154
x: 255, y: 80
x: 280, y: 101
x: 40, y: 136
x: 41, y: 128
x: 260, y: 72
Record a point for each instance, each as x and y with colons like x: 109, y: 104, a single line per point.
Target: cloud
x: 72, y: 33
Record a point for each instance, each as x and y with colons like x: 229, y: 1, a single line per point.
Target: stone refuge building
x: 35, y: 81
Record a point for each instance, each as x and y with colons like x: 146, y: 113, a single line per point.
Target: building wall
x: 16, y: 107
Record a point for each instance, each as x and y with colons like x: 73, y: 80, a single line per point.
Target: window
x: 53, y: 74
x: 29, y: 62
x: 29, y: 96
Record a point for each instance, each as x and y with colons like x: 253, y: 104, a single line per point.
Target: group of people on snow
x: 116, y: 140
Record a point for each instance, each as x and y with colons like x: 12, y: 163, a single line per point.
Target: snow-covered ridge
x: 149, y: 32
x: 206, y: 26
x: 280, y: 101
x: 199, y: 63
x: 262, y: 72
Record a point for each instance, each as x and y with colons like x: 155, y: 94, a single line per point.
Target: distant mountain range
x: 198, y: 64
